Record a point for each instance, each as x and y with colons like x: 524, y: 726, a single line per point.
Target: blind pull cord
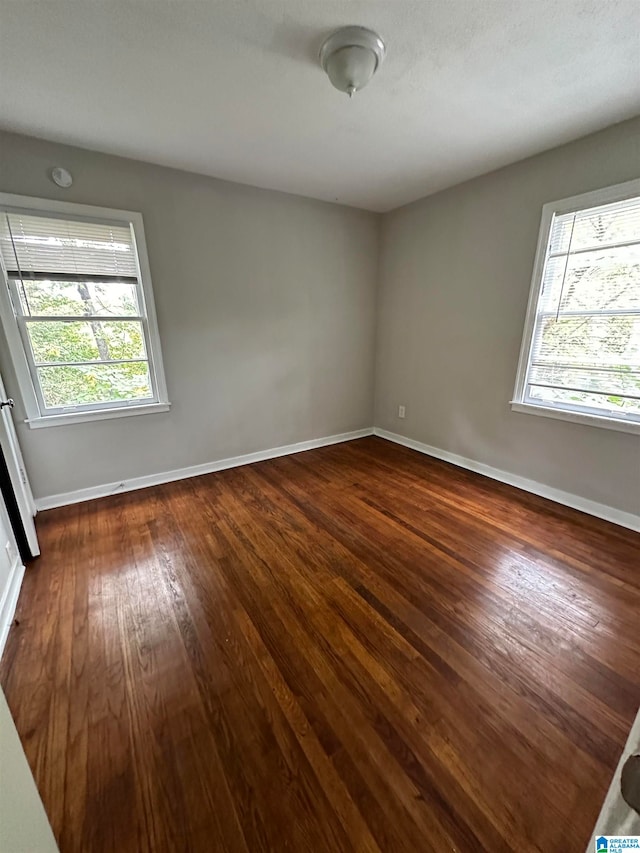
x: 566, y: 264
x: 15, y: 255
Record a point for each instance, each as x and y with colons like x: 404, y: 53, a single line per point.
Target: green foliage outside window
x: 98, y: 340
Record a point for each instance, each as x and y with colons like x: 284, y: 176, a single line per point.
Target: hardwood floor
x: 355, y: 648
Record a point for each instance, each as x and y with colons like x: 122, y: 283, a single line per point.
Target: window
x: 78, y: 311
x: 580, y: 357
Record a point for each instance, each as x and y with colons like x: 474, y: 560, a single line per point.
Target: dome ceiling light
x: 351, y: 56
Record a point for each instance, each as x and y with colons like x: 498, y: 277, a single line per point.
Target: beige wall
x: 266, y: 305
x: 24, y: 827
x: 455, y: 272
x: 266, y: 309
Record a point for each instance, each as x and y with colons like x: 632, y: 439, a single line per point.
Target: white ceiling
x: 232, y: 88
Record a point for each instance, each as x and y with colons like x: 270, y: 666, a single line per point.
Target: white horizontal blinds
x: 585, y: 351
x: 41, y: 247
x: 595, y: 227
x: 80, y: 311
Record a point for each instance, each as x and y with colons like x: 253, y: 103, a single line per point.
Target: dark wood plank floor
x: 355, y: 648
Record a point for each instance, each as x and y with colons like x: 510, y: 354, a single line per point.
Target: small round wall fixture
x: 351, y: 56
x: 61, y: 177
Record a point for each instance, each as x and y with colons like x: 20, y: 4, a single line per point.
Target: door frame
x: 18, y: 475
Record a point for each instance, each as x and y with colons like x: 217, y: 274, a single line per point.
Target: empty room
x: 319, y: 426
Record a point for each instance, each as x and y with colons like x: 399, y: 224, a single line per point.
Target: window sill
x: 577, y: 417
x: 103, y: 415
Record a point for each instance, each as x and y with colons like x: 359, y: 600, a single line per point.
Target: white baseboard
x: 194, y: 470
x: 9, y: 601
x: 608, y: 513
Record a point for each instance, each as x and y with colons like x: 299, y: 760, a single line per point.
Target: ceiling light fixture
x: 351, y: 56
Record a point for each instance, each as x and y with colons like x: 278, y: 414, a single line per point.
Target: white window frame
x: 607, y: 195
x: 36, y: 417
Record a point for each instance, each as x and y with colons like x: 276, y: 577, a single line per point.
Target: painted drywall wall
x: 266, y: 310
x: 455, y: 272
x: 23, y: 822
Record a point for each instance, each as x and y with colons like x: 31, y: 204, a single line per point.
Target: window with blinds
x: 583, y: 347
x: 81, y: 311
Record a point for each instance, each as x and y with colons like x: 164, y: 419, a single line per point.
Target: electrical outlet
x: 402, y: 411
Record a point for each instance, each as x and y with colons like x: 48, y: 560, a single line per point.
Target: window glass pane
x: 54, y: 341
x: 597, y: 280
x: 606, y: 403
x: 597, y: 226
x: 598, y: 341
x: 99, y: 383
x: 62, y: 298
x: 604, y: 380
